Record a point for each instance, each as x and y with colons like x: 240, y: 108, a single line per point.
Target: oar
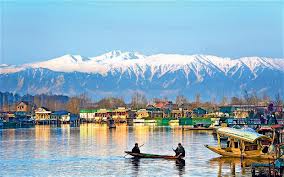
x: 128, y: 154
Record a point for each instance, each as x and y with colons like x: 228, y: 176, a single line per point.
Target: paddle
x: 128, y: 154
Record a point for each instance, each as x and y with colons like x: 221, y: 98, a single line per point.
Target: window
x: 250, y: 147
x: 236, y: 144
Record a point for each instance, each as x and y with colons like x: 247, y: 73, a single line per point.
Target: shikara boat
x: 242, y: 143
x: 111, y: 123
x: 155, y: 156
x: 200, y: 126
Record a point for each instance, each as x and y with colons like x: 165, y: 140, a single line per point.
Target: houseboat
x: 141, y: 114
x: 242, y: 143
x: 101, y: 115
x: 273, y: 131
x: 120, y: 114
x: 42, y: 115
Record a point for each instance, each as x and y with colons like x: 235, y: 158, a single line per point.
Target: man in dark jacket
x: 180, y: 151
x: 136, y: 148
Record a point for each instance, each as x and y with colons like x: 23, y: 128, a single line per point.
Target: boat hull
x: 155, y: 156
x: 225, y: 153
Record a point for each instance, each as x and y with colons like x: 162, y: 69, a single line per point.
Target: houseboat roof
x: 241, y: 134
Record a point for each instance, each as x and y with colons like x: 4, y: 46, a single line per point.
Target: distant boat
x: 155, y: 156
x: 200, y: 126
x: 111, y: 123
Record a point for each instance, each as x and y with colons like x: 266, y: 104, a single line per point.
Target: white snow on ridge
x: 162, y: 63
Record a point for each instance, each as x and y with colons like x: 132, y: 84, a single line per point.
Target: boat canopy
x: 244, y: 135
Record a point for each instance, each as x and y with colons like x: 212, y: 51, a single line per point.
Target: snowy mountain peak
x: 120, y: 73
x: 118, y: 55
x: 135, y: 62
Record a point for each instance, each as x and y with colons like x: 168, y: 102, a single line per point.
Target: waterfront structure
x: 24, y: 106
x: 142, y: 113
x: 199, y: 112
x: 227, y: 109
x: 177, y: 113
x: 95, y: 115
x: 88, y: 115
x: 161, y: 103
x: 120, y: 114
x: 102, y: 115
x: 42, y: 114
x: 63, y: 116
x: 155, y: 112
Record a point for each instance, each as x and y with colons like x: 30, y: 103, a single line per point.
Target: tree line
x: 8, y: 101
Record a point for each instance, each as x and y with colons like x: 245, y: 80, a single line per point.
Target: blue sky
x: 40, y: 30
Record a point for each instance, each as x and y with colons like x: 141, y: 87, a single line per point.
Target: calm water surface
x: 95, y: 150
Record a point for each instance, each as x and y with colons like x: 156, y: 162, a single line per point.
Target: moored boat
x: 138, y: 120
x: 155, y: 156
x: 111, y: 123
x: 242, y: 143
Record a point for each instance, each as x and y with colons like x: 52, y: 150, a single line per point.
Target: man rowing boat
x: 136, y: 148
x: 180, y: 152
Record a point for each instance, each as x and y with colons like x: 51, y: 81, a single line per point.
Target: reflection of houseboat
x: 274, y: 168
x: 229, y: 166
x: 241, y: 143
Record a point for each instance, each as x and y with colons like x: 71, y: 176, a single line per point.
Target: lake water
x: 95, y: 150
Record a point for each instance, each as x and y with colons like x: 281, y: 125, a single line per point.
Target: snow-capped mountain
x: 120, y: 73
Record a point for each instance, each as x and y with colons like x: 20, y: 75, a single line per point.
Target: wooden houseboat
x: 120, y: 114
x: 242, y: 143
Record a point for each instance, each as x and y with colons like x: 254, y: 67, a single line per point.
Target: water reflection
x: 135, y: 165
x: 96, y: 150
x: 233, y: 166
x: 180, y: 165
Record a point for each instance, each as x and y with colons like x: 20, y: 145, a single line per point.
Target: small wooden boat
x: 155, y: 156
x: 111, y: 123
x: 198, y: 128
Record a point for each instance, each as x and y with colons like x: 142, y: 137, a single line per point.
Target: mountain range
x: 118, y: 73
